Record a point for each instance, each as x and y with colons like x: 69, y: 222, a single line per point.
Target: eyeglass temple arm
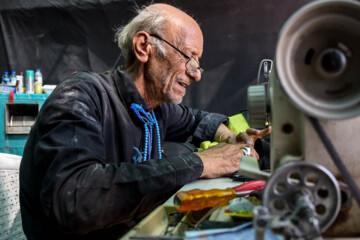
x: 158, y: 37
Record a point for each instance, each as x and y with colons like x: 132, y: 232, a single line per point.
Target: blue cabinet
x: 16, y: 119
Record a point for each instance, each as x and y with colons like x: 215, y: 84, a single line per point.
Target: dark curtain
x: 61, y: 37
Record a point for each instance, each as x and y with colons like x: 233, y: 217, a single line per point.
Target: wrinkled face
x: 169, y: 74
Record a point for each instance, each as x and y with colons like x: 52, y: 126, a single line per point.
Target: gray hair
x: 148, y: 19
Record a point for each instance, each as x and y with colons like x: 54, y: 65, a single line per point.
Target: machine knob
x: 257, y: 106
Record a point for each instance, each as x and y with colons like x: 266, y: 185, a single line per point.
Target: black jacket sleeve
x: 184, y: 122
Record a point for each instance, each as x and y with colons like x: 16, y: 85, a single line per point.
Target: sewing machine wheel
x: 302, y: 177
x: 317, y: 59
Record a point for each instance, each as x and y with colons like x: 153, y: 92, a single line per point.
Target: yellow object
x: 205, y: 145
x: 38, y: 88
x: 237, y: 124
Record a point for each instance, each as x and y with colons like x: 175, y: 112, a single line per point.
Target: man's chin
x: 174, y: 99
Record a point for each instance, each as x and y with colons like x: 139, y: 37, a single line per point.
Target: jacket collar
x: 127, y: 90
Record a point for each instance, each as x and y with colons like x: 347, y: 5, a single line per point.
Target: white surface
x: 9, y: 161
x: 48, y: 88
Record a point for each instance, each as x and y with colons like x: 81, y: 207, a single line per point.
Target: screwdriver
x: 197, y: 199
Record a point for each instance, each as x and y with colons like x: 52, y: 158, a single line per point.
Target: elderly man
x: 93, y: 165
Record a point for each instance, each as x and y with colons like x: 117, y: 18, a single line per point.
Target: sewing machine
x: 312, y: 102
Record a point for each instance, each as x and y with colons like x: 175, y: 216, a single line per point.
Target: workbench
x: 156, y: 224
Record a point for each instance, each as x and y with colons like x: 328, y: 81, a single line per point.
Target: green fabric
x: 237, y: 124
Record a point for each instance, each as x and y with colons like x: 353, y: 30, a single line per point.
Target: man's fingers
x: 252, y: 131
x: 251, y: 135
x: 244, y: 137
x: 265, y: 132
x: 258, y: 133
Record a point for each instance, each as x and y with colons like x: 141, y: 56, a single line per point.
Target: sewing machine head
x: 314, y: 78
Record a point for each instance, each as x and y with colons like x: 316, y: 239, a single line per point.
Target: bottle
x: 23, y: 82
x: 12, y: 81
x: 5, y: 78
x: 29, y: 81
x: 20, y: 83
x: 38, y: 82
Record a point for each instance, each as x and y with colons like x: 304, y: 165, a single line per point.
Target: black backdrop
x: 61, y: 37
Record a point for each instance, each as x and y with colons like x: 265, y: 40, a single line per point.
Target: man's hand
x: 221, y: 159
x: 249, y: 138
x: 224, y: 158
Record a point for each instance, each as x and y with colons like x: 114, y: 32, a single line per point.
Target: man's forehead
x: 194, y: 42
x: 181, y: 29
x: 186, y: 35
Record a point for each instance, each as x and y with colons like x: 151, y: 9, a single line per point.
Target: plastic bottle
x: 23, y: 82
x: 20, y: 83
x: 29, y: 81
x: 5, y: 78
x: 12, y: 81
x: 38, y: 82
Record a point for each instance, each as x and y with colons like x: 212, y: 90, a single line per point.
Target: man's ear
x: 142, y: 46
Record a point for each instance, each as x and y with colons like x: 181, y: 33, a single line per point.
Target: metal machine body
x: 316, y: 73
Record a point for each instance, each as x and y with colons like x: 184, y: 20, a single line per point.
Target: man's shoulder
x: 90, y: 76
x: 86, y: 78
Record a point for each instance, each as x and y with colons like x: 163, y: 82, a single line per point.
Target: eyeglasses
x: 191, y: 65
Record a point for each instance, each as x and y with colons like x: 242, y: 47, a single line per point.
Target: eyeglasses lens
x: 192, y: 65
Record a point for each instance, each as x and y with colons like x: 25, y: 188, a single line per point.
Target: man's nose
x: 196, y: 76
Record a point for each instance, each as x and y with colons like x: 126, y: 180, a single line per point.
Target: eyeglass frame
x: 184, y: 54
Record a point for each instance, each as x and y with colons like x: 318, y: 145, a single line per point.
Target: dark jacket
x: 77, y: 178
